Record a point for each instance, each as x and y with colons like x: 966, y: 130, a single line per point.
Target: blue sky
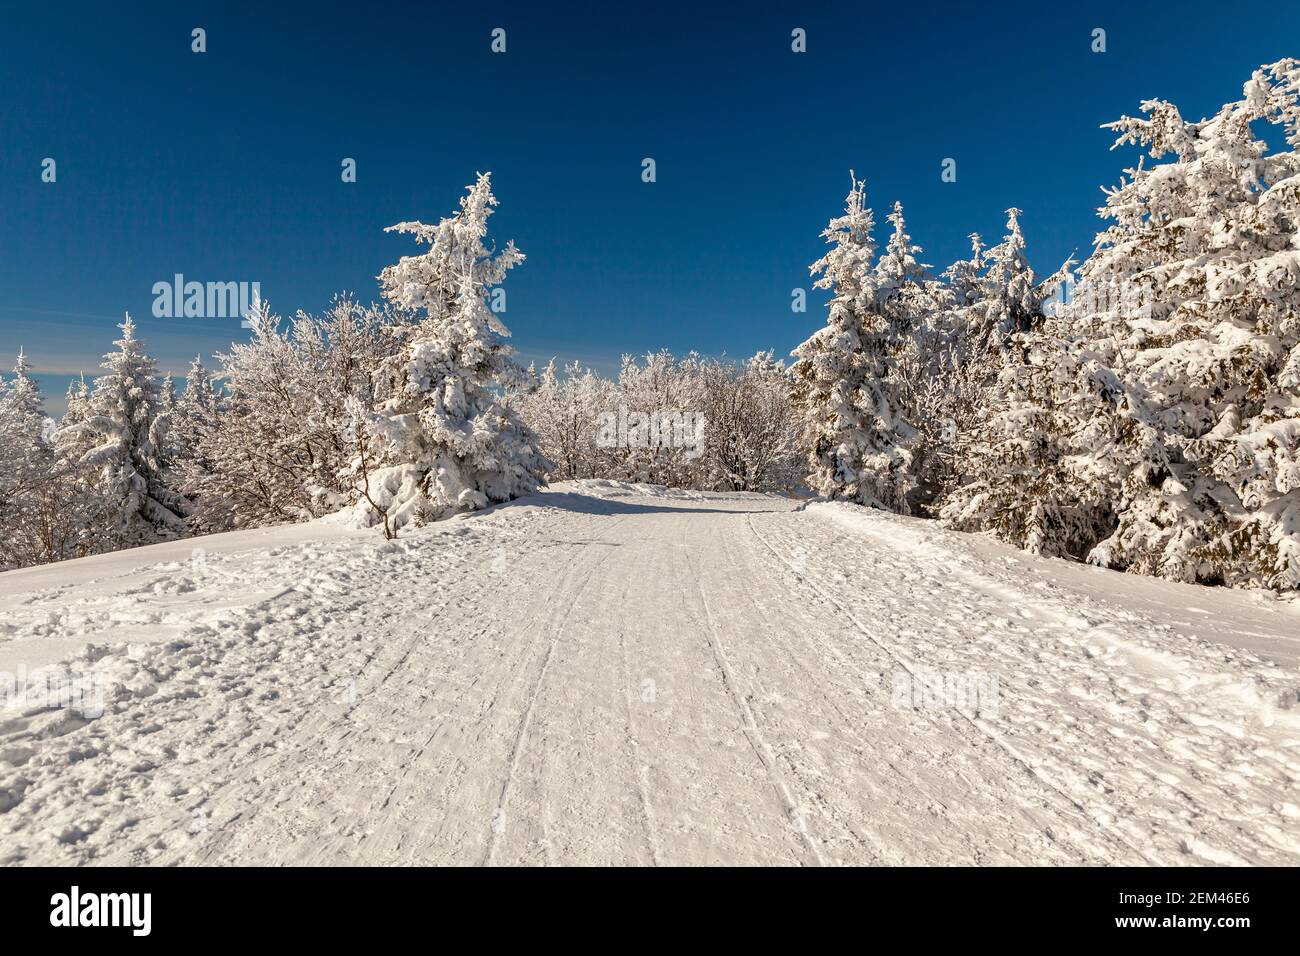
x: 225, y: 166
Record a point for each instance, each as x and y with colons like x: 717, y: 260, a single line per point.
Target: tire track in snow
x: 775, y: 627
x: 521, y: 736
x: 639, y: 773
x: 753, y: 734
x: 345, y: 750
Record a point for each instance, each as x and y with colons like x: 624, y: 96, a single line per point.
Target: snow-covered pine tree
x: 859, y: 444
x: 1202, y: 326
x: 442, y: 440
x: 112, y: 445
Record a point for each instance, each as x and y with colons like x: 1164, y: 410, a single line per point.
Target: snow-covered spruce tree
x: 192, y: 422
x: 22, y: 437
x: 1022, y: 467
x: 162, y: 437
x: 918, y: 311
x: 196, y: 409
x: 994, y: 295
x: 26, y: 469
x: 859, y: 444
x: 1027, y: 402
x: 1011, y: 299
x: 442, y: 440
x: 903, y: 285
x: 167, y: 394
x: 955, y: 381
x: 113, y: 446
x: 1196, y: 303
x: 965, y: 276
x: 77, y: 401
x: 71, y: 514
x: 54, y: 516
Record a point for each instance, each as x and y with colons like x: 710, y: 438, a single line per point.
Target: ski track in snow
x: 618, y: 674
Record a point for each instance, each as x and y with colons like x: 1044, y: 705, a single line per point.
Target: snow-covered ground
x: 606, y: 673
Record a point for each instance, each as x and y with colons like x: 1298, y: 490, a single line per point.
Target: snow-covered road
x: 611, y: 674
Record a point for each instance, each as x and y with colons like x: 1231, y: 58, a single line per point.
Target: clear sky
x: 225, y: 165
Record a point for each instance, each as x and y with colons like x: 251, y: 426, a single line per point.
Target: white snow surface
x: 606, y: 673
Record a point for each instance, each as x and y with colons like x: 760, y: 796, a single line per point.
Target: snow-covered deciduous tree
x: 563, y: 407
x: 113, y: 446
x: 751, y: 434
x: 718, y: 425
x: 280, y: 449
x: 444, y: 440
x: 666, y: 439
x: 859, y: 442
x: 260, y: 469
